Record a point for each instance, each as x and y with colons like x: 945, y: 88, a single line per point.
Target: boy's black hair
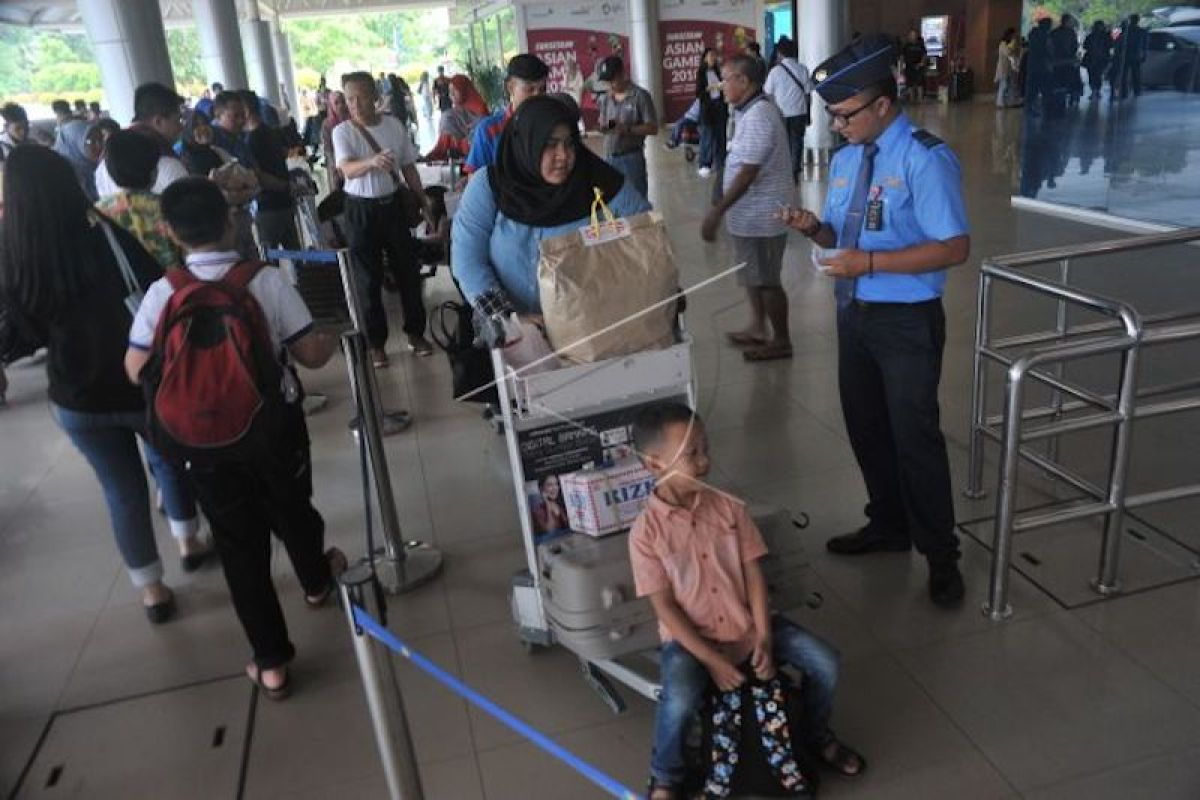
x: 131, y: 159
x: 250, y: 101
x: 652, y: 421
x: 60, y: 107
x: 196, y: 211
x: 151, y: 100
x: 361, y: 77
x: 437, y: 199
x: 11, y: 112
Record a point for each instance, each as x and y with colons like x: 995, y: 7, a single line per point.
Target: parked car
x: 1173, y: 58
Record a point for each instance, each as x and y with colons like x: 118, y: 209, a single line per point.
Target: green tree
x: 183, y: 45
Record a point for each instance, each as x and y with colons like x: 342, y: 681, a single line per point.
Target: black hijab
x: 516, y: 177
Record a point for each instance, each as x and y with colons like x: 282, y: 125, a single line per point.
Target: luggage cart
x: 558, y: 422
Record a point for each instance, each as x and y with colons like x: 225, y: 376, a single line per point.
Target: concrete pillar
x: 260, y: 59
x: 286, y: 70
x: 220, y: 43
x: 130, y: 44
x: 645, y: 52
x: 823, y: 28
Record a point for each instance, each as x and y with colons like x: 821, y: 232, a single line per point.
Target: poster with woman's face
x: 547, y: 508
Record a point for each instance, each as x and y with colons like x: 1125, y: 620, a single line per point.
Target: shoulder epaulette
x: 927, y: 139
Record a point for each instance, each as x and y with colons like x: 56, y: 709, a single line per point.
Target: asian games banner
x: 573, y: 38
x: 686, y: 28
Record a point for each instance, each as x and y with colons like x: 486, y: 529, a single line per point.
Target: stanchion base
x: 1105, y: 589
x: 997, y: 616
x: 393, y: 422
x: 421, y: 564
x: 972, y: 494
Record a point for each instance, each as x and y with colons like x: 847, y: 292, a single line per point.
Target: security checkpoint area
x: 487, y: 639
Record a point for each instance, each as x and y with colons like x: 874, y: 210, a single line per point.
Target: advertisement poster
x: 573, y: 38
x: 685, y: 29
x: 560, y: 448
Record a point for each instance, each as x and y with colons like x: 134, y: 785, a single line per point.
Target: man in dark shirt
x: 275, y: 217
x: 441, y: 87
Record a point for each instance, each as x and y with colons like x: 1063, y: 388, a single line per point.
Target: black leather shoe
x: 161, y: 612
x: 866, y: 541
x: 946, y: 588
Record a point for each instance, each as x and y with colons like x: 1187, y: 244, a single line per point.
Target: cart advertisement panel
x: 551, y: 451
x: 686, y: 28
x: 573, y: 38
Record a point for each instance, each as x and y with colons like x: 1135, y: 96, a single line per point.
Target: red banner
x: 573, y: 55
x: 684, y: 42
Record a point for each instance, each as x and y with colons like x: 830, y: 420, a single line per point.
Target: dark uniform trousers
x: 373, y: 228
x: 889, y: 367
x: 245, y: 504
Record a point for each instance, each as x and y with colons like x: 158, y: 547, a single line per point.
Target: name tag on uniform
x: 874, y: 214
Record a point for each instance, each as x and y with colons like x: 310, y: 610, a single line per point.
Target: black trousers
x: 889, y: 367
x: 795, y: 129
x: 374, y: 229
x: 245, y: 504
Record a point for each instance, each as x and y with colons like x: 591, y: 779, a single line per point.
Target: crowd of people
x: 105, y: 252
x: 1042, y: 70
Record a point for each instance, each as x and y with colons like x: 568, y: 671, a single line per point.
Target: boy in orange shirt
x: 695, y: 554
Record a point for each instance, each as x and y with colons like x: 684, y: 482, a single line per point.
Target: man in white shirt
x: 790, y: 86
x: 373, y: 152
x: 156, y: 114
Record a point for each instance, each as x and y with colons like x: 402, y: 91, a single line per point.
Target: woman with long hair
x: 714, y: 112
x: 61, y: 269
x: 467, y: 107
x: 1006, y: 67
x: 337, y: 113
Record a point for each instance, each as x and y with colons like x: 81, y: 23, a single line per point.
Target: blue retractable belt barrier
x: 310, y: 256
x: 371, y: 626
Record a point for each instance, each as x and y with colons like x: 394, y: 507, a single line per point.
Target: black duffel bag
x: 470, y: 366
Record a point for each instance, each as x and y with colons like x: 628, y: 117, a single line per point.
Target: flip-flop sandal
x: 843, y: 760
x: 739, y: 339
x: 276, y: 693
x: 769, y: 353
x: 337, y: 565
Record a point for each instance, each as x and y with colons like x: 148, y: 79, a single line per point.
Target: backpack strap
x: 241, y: 273
x: 179, y: 277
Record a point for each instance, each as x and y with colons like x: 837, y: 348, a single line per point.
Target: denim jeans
x: 795, y: 129
x: 633, y: 167
x: 109, y: 443
x: 712, y: 145
x: 685, y: 682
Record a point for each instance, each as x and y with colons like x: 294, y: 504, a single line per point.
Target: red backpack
x: 213, y: 381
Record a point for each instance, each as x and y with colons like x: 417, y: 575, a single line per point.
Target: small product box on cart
x: 606, y: 500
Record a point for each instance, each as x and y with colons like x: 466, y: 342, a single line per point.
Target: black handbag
x: 17, y: 337
x: 470, y: 367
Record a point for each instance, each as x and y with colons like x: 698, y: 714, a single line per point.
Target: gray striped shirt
x: 759, y: 138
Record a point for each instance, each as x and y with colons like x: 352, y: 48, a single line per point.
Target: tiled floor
x: 1061, y: 702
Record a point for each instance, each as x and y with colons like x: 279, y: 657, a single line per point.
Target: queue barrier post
x: 360, y: 588
x: 401, y: 565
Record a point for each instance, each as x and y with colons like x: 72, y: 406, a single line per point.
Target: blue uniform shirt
x: 484, y: 140
x: 921, y: 190
x: 492, y: 251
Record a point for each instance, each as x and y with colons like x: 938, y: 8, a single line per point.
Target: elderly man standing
x: 526, y: 78
x: 757, y: 183
x: 627, y: 117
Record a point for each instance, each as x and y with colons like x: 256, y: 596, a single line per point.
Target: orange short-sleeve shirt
x: 698, y: 553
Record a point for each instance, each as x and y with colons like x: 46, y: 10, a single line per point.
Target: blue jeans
x: 109, y: 443
x: 712, y: 145
x: 686, y: 682
x: 633, y: 167
x: 795, y: 129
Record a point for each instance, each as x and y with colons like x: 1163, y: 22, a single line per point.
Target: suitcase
x: 593, y: 609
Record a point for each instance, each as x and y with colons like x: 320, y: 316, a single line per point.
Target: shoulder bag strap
x: 134, y: 289
x: 242, y: 273
x: 374, y: 145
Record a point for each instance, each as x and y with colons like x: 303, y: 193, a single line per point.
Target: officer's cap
x: 859, y: 65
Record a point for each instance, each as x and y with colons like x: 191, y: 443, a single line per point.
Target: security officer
x: 895, y: 211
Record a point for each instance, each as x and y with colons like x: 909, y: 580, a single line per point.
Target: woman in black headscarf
x: 542, y: 185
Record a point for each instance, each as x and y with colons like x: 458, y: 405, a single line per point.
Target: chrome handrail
x: 1127, y: 335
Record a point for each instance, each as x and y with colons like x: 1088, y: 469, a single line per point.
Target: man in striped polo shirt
x: 757, y: 184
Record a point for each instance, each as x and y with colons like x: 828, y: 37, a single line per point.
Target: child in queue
x: 695, y: 553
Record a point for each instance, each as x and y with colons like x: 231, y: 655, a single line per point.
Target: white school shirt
x: 350, y: 145
x: 169, y: 171
x: 287, y: 317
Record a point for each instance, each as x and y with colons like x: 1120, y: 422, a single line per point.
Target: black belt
x: 374, y: 201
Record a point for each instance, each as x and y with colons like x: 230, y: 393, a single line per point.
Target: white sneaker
x: 705, y: 172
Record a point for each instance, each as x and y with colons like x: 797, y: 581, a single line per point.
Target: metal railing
x: 1043, y: 357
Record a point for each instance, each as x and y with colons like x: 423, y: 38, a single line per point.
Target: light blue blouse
x: 490, y: 251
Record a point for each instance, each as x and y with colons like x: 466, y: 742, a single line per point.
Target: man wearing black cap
x: 526, y: 78
x: 627, y: 117
x: 895, y: 212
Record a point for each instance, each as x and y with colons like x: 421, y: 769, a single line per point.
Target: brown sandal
x: 770, y: 352
x: 741, y: 339
x: 280, y: 692
x: 842, y: 759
